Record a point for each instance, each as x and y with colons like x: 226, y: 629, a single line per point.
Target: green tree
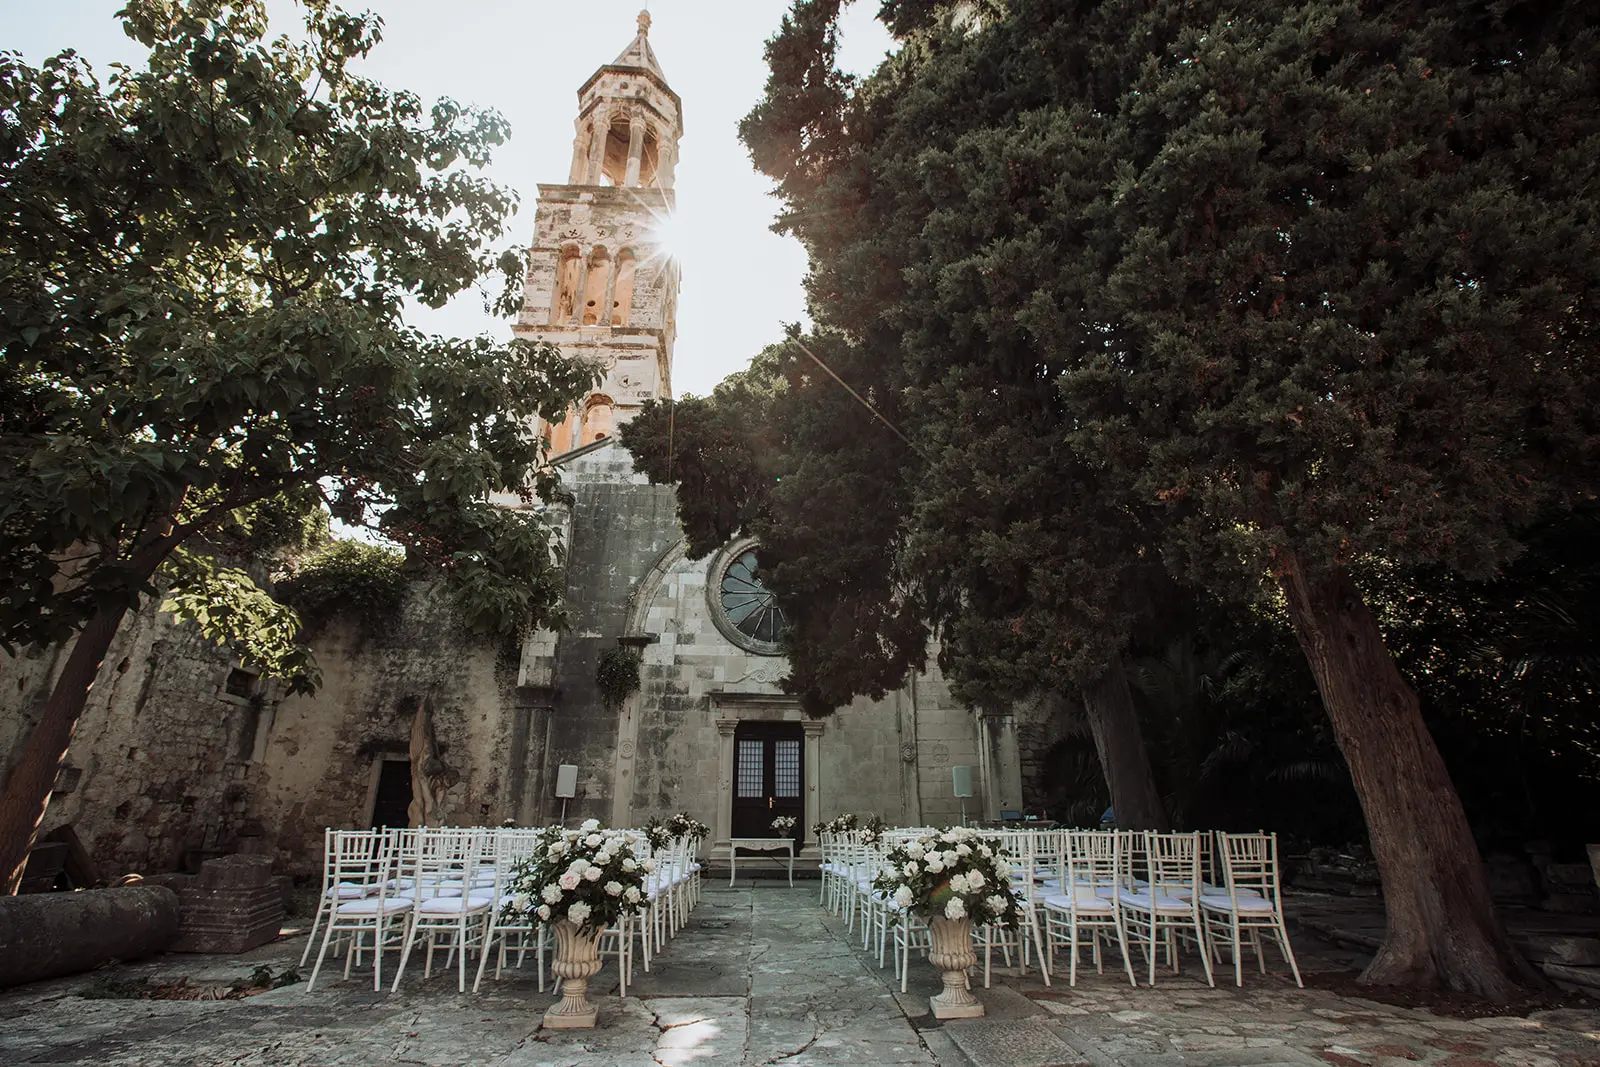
x: 1313, y: 284
x: 203, y: 266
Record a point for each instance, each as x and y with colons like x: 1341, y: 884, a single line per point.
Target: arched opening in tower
x: 594, y: 290
x: 568, y: 274
x: 622, y: 290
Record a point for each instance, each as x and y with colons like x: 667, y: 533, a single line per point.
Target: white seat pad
x: 1062, y: 902
x: 1255, y: 905
x: 350, y: 891
x: 369, y: 906
x: 1162, y: 903
x: 455, y: 905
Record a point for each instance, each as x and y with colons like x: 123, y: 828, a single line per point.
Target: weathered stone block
x: 235, y: 872
x: 234, y: 905
x: 46, y: 935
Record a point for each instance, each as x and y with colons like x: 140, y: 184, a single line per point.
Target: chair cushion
x: 1254, y: 905
x: 1062, y: 902
x: 350, y: 891
x: 369, y: 906
x: 455, y: 905
x: 1161, y: 903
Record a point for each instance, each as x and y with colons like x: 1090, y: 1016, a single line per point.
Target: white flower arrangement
x: 956, y: 873
x: 784, y: 824
x: 838, y: 825
x: 588, y: 876
x: 681, y: 825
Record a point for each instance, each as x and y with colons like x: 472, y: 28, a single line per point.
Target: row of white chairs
x: 1087, y: 890
x: 400, y: 888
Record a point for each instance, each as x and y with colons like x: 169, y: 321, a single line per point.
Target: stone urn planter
x: 952, y: 954
x: 577, y: 960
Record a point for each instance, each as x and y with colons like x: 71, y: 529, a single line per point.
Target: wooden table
x: 760, y: 844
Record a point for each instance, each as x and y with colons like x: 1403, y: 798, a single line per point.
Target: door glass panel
x: 750, y: 770
x: 786, y: 768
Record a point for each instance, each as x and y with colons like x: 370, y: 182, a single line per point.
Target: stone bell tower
x: 599, y: 282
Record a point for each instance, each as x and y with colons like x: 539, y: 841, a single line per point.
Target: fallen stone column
x: 46, y: 935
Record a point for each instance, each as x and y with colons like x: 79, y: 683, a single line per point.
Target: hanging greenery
x: 617, y: 675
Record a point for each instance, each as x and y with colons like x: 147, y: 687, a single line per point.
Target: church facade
x: 183, y: 752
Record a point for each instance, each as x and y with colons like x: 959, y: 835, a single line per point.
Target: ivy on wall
x: 617, y: 675
x: 347, y: 577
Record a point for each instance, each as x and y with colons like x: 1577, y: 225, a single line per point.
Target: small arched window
x: 564, y: 306
x: 622, y: 291
x: 614, y: 164
x: 597, y: 418
x: 594, y: 290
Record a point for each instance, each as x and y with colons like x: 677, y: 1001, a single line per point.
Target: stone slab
x: 1010, y: 1043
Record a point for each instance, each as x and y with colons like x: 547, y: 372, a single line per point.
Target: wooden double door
x: 768, y: 778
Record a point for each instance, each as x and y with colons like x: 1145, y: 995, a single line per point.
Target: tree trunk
x: 1442, y: 927
x: 27, y: 790
x: 1123, y: 759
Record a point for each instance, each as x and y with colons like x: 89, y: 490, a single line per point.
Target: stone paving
x: 763, y: 976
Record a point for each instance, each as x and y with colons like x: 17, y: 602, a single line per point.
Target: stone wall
x: 620, y: 526
x: 320, y: 763
x: 158, y: 773
x: 168, y: 767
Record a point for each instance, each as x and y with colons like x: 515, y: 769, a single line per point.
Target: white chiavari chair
x: 1087, y: 901
x: 450, y: 898
x: 363, y: 858
x: 1251, y: 902
x: 1168, y: 903
x: 511, y: 847
x: 1028, y: 936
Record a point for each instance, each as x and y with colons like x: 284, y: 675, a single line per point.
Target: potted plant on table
x: 579, y: 882
x: 951, y: 879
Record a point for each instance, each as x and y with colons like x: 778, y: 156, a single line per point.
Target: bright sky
x: 527, y: 58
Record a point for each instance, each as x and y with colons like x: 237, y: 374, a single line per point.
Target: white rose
x: 948, y: 836
x: 950, y: 857
x: 1002, y: 868
x: 555, y: 850
x: 985, y: 851
x: 963, y: 850
x: 613, y: 889
x: 520, y: 902
x: 649, y: 866
x: 592, y: 874
x: 578, y: 866
x: 996, y: 904
x: 903, y: 897
x: 915, y: 851
x: 975, y: 879
x: 911, y: 869
x: 593, y: 840
x: 552, y: 893
x: 631, y: 894
x: 935, y: 863
x: 630, y: 865
x: 578, y: 913
x: 958, y: 883
x: 569, y: 881
x: 954, y: 909
x: 590, y: 825
x: 544, y: 912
